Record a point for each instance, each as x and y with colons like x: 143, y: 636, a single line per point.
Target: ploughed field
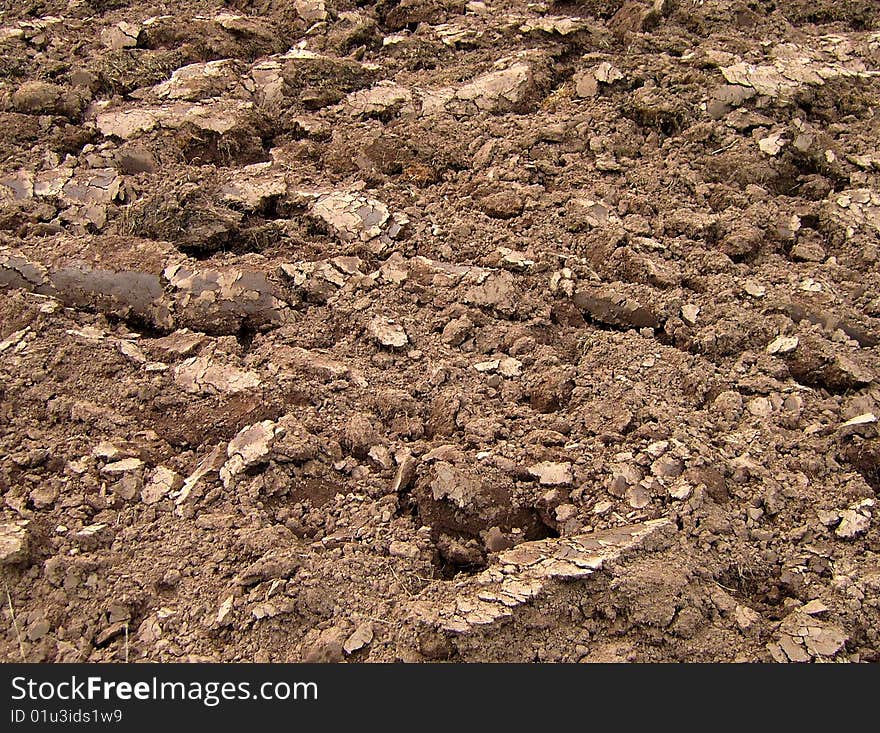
x: 434, y: 330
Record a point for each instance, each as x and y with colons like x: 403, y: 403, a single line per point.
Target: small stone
x: 586, y: 213
x: 209, y: 465
x: 405, y: 473
x: 497, y: 291
x: 381, y: 457
x: 315, y: 364
x: 514, y: 89
x: 681, y: 491
x: 746, y: 617
x: 852, y: 524
x: 381, y: 101
x: 123, y: 466
x: 866, y: 418
x: 352, y: 266
x: 756, y: 290
x: 564, y: 512
x: 657, y: 448
x: 268, y: 609
x: 510, y: 367
x: 853, y: 372
x: 772, y: 144
x: 793, y: 404
x: 109, y: 451
x: 132, y: 351
x: 689, y: 313
x: 622, y: 477
x: 311, y: 11
x: 361, y: 637
x: 180, y: 343
x: 249, y: 448
x: 782, y: 345
x: 553, y: 24
x: 122, y: 35
x: 387, y: 333
x: 110, y: 632
x: 602, y: 507
x: 14, y: 338
x: 460, y: 488
x: 513, y: 260
x: 91, y: 534
x: 487, y: 366
x: 726, y: 97
x: 607, y: 74
x: 828, y: 518
x: 814, y: 608
x: 353, y: 217
x: 161, y: 483
x: 760, y: 407
x: 225, y: 611
x: 14, y: 543
x: 128, y: 487
x: 552, y: 474
x: 279, y: 563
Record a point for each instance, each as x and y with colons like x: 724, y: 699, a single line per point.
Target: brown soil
x: 403, y: 330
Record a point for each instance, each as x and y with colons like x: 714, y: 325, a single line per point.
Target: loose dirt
x: 468, y: 331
